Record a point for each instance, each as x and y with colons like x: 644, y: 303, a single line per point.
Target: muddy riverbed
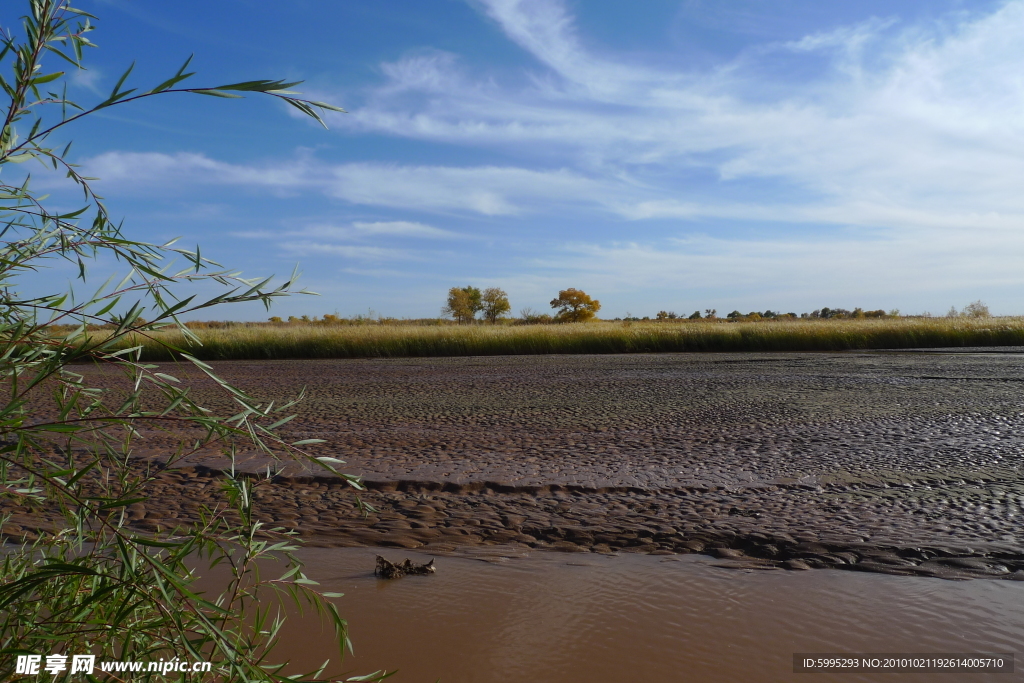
x: 904, y: 463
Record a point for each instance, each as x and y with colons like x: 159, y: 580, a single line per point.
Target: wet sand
x: 904, y: 463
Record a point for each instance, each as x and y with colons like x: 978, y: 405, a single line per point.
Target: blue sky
x: 660, y: 155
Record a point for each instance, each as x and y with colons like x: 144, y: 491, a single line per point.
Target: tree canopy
x: 575, y: 306
x: 495, y: 304
x: 463, y: 303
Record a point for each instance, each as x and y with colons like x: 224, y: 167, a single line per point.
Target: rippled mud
x: 906, y: 463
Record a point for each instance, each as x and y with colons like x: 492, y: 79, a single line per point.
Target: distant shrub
x: 977, y: 309
x: 831, y: 313
x: 528, y: 316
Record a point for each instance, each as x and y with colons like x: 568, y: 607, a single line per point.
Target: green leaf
x: 370, y: 678
x: 259, y: 86
x: 324, y: 105
x: 215, y: 93
x: 155, y: 544
x: 122, y: 503
x: 176, y: 78
x: 120, y: 81
x: 281, y: 422
x: 39, y: 80
x: 57, y: 427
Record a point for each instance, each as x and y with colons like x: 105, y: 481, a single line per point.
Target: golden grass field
x: 266, y: 341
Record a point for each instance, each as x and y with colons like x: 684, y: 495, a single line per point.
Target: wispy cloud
x: 403, y: 229
x: 485, y: 190
x: 331, y: 239
x: 357, y: 230
x: 87, y: 79
x: 920, y: 118
x: 928, y: 128
x: 157, y: 170
x: 848, y: 39
x: 893, y: 167
x: 307, y: 247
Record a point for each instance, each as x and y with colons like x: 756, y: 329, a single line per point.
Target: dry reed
x: 393, y: 341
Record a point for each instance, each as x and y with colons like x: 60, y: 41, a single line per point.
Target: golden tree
x: 495, y: 304
x: 463, y: 303
x: 575, y: 306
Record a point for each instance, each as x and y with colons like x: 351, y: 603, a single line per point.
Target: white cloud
x: 486, y: 190
x: 433, y: 72
x: 404, y: 229
x: 88, y: 79
x: 163, y: 171
x: 355, y: 230
x: 547, y: 31
x: 926, y: 133
x: 848, y: 39
x: 329, y: 239
x: 924, y: 120
x: 306, y: 247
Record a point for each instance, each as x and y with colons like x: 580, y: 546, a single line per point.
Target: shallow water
x: 575, y: 618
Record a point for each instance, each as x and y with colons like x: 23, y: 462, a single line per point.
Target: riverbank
x: 323, y: 341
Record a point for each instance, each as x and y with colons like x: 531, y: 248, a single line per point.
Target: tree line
x: 463, y: 304
x: 825, y: 313
x: 976, y: 309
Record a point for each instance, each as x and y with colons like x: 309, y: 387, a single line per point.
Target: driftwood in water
x: 387, y: 569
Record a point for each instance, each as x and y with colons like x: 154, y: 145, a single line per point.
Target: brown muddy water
x: 587, y: 618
